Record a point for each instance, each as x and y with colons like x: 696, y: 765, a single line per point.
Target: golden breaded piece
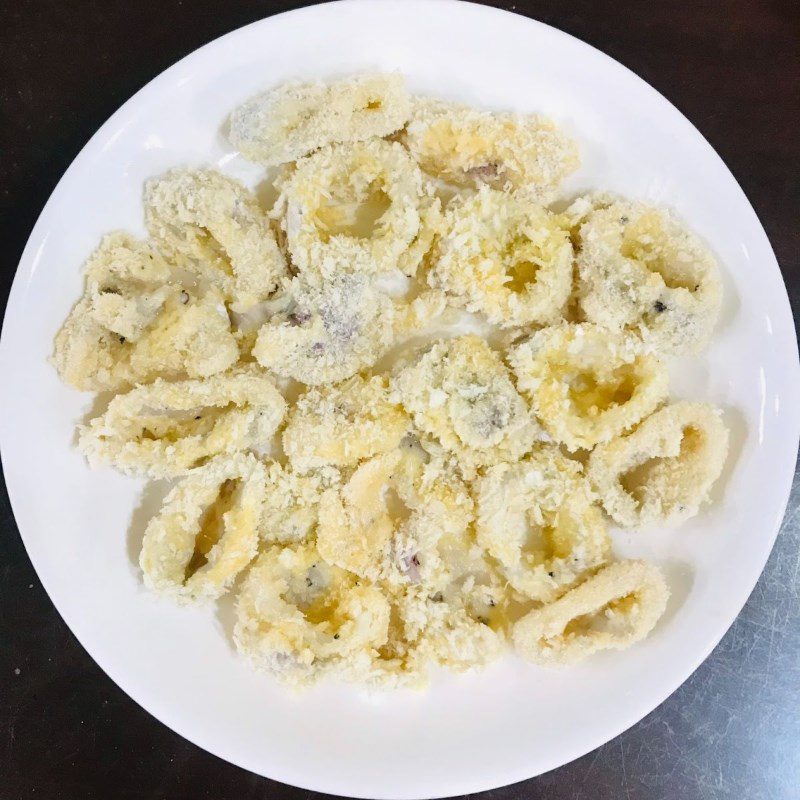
x: 460, y: 392
x: 588, y: 384
x: 291, y: 503
x: 538, y: 520
x: 207, y: 530
x: 298, y: 618
x: 465, y: 146
x: 505, y: 257
x: 611, y: 610
x: 391, y: 509
x: 329, y: 332
x: 353, y: 207
x: 431, y: 224
x: 343, y: 424
x: 164, y: 429
x: 139, y: 319
x: 641, y: 269
x: 661, y: 473
x: 292, y: 120
x: 217, y: 224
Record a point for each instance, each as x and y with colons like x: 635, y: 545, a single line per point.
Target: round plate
x: 83, y: 529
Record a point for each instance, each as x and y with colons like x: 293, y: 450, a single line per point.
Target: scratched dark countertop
x: 731, y: 731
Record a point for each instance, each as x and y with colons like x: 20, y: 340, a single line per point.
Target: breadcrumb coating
x: 291, y: 502
x: 215, y: 222
x: 661, y: 472
x: 327, y: 333
x: 460, y: 392
x: 641, y: 269
x: 342, y: 424
x: 298, y: 617
x: 505, y: 257
x: 612, y: 610
x: 164, y: 429
x: 588, y: 384
x: 206, y: 532
x: 292, y: 120
x: 139, y: 319
x: 537, y: 518
x: 506, y: 151
x: 354, y: 207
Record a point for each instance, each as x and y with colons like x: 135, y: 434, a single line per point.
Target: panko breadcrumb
x: 587, y: 384
x: 661, y: 472
x: 298, y: 617
x: 611, y: 610
x: 163, y: 429
x: 343, y: 424
x: 641, y: 269
x: 327, y: 333
x: 140, y: 319
x: 292, y: 120
x: 537, y: 518
x: 353, y: 208
x: 460, y: 392
x: 213, y: 220
x: 506, y: 257
x: 506, y: 151
x: 206, y: 532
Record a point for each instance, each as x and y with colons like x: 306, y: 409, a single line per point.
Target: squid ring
x: 506, y: 151
x: 537, y: 519
x: 661, y: 472
x: 353, y: 208
x: 588, y: 384
x: 391, y: 501
x: 140, y: 319
x: 639, y: 268
x: 290, y: 121
x: 329, y: 332
x: 207, y: 530
x: 460, y: 392
x: 611, y: 610
x: 341, y: 425
x: 164, y: 429
x: 291, y: 503
x: 216, y: 223
x: 296, y: 615
x: 505, y: 257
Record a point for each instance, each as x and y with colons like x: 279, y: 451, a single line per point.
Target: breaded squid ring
x: 291, y: 503
x: 460, y: 392
x: 140, y: 319
x: 506, y: 257
x: 588, y: 384
x: 390, y: 500
x: 641, y: 269
x: 329, y: 332
x: 506, y: 151
x: 297, y: 616
x: 611, y: 610
x: 537, y: 519
x: 214, y: 221
x: 353, y: 208
x: 660, y: 473
x: 341, y: 425
x: 164, y: 429
x: 206, y: 532
x: 292, y: 120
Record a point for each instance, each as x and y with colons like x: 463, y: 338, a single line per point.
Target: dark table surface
x: 731, y: 731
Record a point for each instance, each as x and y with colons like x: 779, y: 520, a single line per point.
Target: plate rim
x: 27, y: 263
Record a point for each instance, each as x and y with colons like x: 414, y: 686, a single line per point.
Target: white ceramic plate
x: 467, y: 733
